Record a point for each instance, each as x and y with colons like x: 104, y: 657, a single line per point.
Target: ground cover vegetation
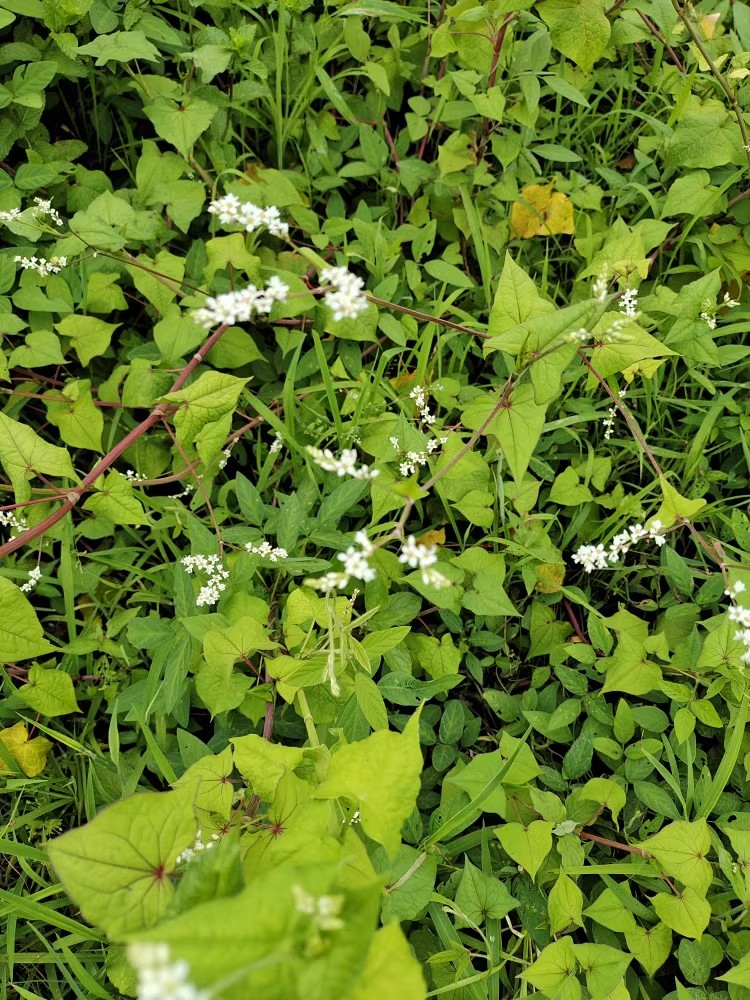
x: 375, y: 453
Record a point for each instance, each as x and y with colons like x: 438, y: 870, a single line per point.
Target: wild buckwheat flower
x: 233, y: 212
x: 592, y: 557
x: 35, y: 576
x: 331, y: 581
x: 356, y: 560
x: 741, y: 616
x: 276, y: 444
x: 16, y: 522
x: 601, y: 288
x: 324, y: 910
x: 158, y: 977
x: 344, y: 298
x: 408, y: 466
x: 266, y: 551
x: 241, y: 306
x: 45, y: 208
x: 709, y: 320
x: 419, y: 395
x: 423, y: 557
x: 212, y: 567
x: 198, y: 847
x: 629, y: 301
x: 135, y: 477
x: 345, y: 465
x: 11, y: 215
x: 45, y: 267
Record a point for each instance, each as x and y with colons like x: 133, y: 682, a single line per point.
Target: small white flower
x: 44, y: 267
x: 276, y: 444
x: 591, y: 557
x: 16, y: 522
x: 10, y: 216
x: 331, y: 581
x: 198, y: 847
x: 241, y: 306
x: 324, y: 910
x: 45, y: 208
x: 345, y: 297
x: 601, y: 288
x: 709, y: 320
x: 344, y: 465
x: 231, y: 211
x: 629, y: 301
x: 158, y: 977
x: 35, y: 576
x: 416, y: 555
x: 267, y: 551
x: 210, y: 565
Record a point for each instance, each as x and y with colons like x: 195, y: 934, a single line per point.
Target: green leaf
x: 604, y: 967
x: 528, y: 845
x: 681, y: 849
x: 517, y: 427
x: 220, y: 688
x: 391, y: 970
x: 568, y: 490
x: 706, y: 136
x: 553, y: 973
x: 650, y: 946
x: 675, y: 507
x: 632, y: 345
x: 23, y: 453
x: 80, y: 421
x: 693, y: 961
x: 180, y: 124
x: 410, y: 881
x: 564, y: 905
x: 607, y: 793
x: 21, y: 634
x: 210, y: 777
x: 223, y: 647
x: 40, y: 349
x: 516, y: 300
x: 482, y: 897
x: 380, y: 775
x: 115, y: 501
x: 90, y: 336
x: 740, y: 974
x: 120, y: 46
x: 687, y: 914
x: 370, y: 701
x: 264, y: 763
x: 212, y: 396
x: 117, y: 867
x: 610, y: 911
x: 49, y: 692
x: 578, y: 28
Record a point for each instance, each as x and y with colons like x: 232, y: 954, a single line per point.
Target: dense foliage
x: 375, y: 454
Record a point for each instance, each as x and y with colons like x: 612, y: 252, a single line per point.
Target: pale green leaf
x: 49, y: 692
x: 21, y: 634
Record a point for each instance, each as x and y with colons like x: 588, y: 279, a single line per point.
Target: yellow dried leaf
x: 708, y: 24
x: 549, y: 577
x: 540, y: 211
x: 30, y: 755
x: 433, y: 537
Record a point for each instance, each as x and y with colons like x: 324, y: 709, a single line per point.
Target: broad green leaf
x: 740, y: 974
x: 210, y: 777
x: 568, y: 489
x: 117, y: 867
x: 528, y: 845
x: 29, y: 754
x: 606, y: 793
x: 578, y: 28
x: 706, y: 136
x: 264, y: 763
x: 391, y: 969
x: 180, y: 124
x: 49, y: 692
x: 681, y: 849
x: 687, y: 914
x: 630, y: 346
x: 482, y: 897
x: 23, y: 453
x: 90, y: 336
x: 553, y: 973
x: 74, y: 412
x: 40, y: 348
x: 604, y: 967
x: 223, y: 647
x: 609, y: 911
x: 370, y: 701
x: 564, y: 905
x: 517, y: 426
x: 516, y: 300
x: 650, y: 946
x: 405, y: 898
x: 208, y: 399
x: 223, y: 251
x: 115, y: 501
x: 675, y: 507
x: 21, y: 635
x: 380, y: 775
x: 160, y: 291
x: 220, y: 688
x: 120, y: 46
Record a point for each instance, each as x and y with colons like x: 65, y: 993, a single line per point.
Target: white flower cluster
x: 158, y: 977
x: 198, y: 847
x: 11, y: 215
x: 601, y: 288
x: 709, y: 316
x: 16, y: 522
x: 45, y: 208
x: 233, y: 212
x: 740, y: 616
x: 45, y: 267
x: 135, y: 477
x: 410, y: 460
x: 629, y: 301
x: 423, y: 557
x: 593, y: 557
x: 35, y: 576
x: 345, y: 297
x: 419, y: 395
x: 324, y: 910
x: 189, y: 487
x: 276, y: 444
x: 709, y: 320
x: 345, y: 465
x: 266, y: 551
x: 356, y: 562
x: 212, y: 567
x: 241, y: 306
x: 609, y: 420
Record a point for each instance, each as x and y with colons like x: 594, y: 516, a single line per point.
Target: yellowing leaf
x: 676, y: 507
x: 30, y: 755
x: 541, y: 212
x: 433, y: 537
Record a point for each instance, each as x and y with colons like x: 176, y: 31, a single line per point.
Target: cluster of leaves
x: 534, y: 780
